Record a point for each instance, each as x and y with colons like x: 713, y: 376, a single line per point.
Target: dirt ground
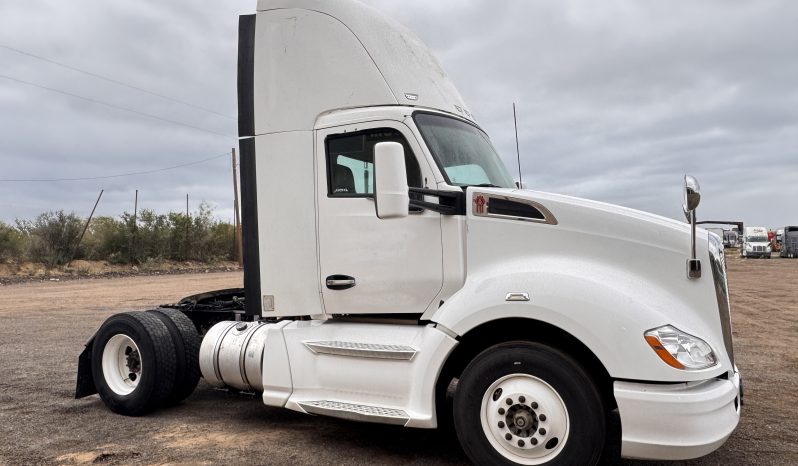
x: 44, y: 325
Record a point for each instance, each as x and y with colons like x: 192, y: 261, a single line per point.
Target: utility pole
x: 135, y: 227
x: 188, y: 224
x: 236, y: 214
x: 85, y: 227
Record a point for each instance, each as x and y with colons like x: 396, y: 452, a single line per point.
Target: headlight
x: 748, y: 246
x: 769, y: 248
x: 680, y: 350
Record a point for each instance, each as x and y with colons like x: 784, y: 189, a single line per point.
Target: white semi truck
x: 394, y: 273
x: 756, y: 243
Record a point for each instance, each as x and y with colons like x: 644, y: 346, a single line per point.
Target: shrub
x: 52, y: 236
x: 107, y: 236
x: 12, y: 243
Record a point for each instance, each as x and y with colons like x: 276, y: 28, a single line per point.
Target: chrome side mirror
x: 692, y: 197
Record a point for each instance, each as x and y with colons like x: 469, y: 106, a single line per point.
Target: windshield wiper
x: 484, y: 185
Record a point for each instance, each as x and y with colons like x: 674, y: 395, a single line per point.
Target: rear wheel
x: 187, y: 344
x: 133, y: 363
x: 527, y: 403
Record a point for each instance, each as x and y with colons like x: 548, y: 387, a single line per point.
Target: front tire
x: 527, y: 403
x: 133, y: 363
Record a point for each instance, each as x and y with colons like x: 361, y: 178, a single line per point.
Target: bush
x: 152, y: 236
x: 52, y: 236
x: 12, y: 243
x: 200, y: 237
x: 107, y: 239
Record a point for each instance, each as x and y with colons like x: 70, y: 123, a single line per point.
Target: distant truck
x: 731, y: 239
x: 789, y: 242
x: 717, y: 231
x: 394, y: 273
x: 755, y: 243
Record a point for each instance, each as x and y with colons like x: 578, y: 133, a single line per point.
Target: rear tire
x: 527, y: 403
x: 133, y: 363
x: 187, y: 344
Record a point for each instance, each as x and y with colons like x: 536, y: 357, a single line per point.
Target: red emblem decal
x: 479, y: 201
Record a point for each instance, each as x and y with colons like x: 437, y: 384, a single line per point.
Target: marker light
x: 680, y: 350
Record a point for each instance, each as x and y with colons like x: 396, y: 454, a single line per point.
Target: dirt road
x: 43, y: 327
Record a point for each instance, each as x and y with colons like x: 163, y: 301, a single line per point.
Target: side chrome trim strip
x: 353, y: 412
x: 362, y: 350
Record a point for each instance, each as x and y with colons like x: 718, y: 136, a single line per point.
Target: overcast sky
x: 616, y: 99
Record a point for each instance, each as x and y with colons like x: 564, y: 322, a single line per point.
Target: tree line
x: 52, y: 238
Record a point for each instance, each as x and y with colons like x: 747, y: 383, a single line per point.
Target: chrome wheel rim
x: 121, y: 364
x: 524, y: 419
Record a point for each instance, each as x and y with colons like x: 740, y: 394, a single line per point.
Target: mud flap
x: 85, y: 384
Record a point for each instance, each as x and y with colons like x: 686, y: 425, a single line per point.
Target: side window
x: 350, y: 162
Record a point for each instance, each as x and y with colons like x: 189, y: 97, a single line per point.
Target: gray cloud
x: 616, y: 100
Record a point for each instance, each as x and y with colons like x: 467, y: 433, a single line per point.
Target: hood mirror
x: 692, y: 197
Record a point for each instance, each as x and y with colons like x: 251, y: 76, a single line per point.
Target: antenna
x: 517, y: 151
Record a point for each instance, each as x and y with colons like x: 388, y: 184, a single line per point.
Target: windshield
x: 463, y: 152
x: 757, y: 239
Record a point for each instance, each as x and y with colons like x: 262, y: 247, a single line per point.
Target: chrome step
x: 355, y: 412
x: 362, y: 350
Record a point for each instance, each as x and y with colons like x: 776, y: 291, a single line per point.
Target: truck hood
x: 613, y: 222
x: 604, y: 273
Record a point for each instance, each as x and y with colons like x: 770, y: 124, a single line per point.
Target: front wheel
x: 527, y: 403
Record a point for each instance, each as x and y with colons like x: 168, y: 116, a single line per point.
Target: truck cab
x: 395, y: 273
x: 755, y: 243
x: 789, y: 242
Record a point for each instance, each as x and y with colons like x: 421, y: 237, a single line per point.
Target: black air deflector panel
x: 249, y: 227
x: 510, y: 208
x: 246, y: 75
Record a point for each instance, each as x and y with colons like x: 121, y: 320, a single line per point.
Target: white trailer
x: 395, y: 274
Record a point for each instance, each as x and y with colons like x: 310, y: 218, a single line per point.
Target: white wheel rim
x: 522, y: 416
x: 121, y: 364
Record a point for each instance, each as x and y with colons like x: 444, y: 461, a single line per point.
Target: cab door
x: 369, y: 265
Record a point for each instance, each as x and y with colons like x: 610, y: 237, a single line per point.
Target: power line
x: 126, y: 109
x: 145, y: 172
x: 115, y: 81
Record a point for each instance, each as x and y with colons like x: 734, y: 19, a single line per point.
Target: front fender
x: 605, y: 307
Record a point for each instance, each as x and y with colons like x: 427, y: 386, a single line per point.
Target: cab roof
x: 314, y: 56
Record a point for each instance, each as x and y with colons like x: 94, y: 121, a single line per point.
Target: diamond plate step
x: 362, y: 350
x: 355, y: 412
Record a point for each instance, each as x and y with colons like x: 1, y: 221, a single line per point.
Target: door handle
x: 340, y: 282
